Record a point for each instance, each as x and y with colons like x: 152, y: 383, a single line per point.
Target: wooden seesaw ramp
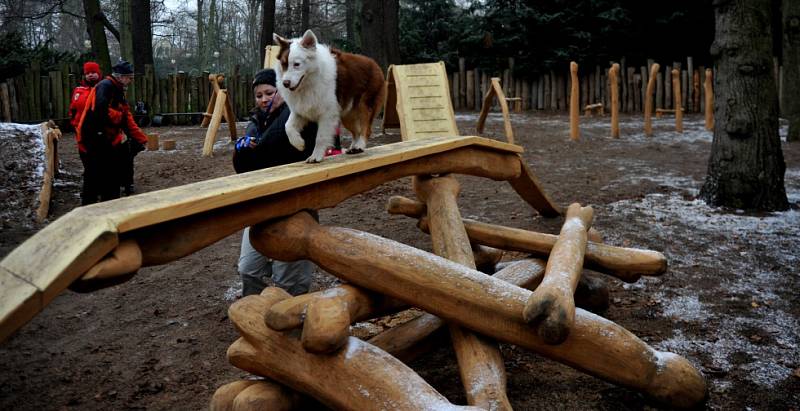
x: 104, y: 244
x: 172, y: 223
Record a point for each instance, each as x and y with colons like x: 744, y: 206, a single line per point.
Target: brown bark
x: 791, y: 67
x: 267, y: 25
x: 142, y: 35
x: 380, y: 35
x: 746, y: 166
x: 97, y: 34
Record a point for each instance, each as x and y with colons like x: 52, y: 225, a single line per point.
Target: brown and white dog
x: 325, y: 85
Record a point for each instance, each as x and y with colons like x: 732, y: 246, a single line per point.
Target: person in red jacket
x: 91, y: 76
x: 109, y: 137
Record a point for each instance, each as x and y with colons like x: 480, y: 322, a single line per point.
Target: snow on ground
x: 764, y: 331
x: 22, y: 156
x: 631, y: 127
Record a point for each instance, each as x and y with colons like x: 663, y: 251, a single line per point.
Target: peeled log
x: 626, y: 264
x: 358, y: 377
x: 484, y: 304
x: 480, y: 363
x: 552, y: 304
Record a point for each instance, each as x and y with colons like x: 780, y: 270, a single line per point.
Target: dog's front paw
x: 355, y: 150
x: 314, y: 159
x: 296, y: 140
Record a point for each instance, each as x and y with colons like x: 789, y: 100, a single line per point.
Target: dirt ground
x: 729, y: 301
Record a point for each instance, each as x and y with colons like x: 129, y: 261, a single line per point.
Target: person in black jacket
x: 265, y: 144
x: 110, y: 137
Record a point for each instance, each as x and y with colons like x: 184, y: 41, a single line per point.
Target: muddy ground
x: 729, y: 301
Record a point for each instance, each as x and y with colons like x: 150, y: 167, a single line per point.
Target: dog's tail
x: 375, y: 98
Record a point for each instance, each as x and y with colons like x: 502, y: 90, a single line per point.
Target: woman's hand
x: 276, y: 102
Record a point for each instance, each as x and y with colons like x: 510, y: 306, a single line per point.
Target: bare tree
x: 791, y: 67
x: 95, y: 24
x: 142, y: 31
x: 746, y: 167
x: 380, y: 37
x: 267, y: 25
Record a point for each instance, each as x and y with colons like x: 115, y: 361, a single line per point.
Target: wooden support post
x: 351, y: 380
x: 612, y: 75
x: 648, y: 100
x: 626, y: 264
x: 496, y: 91
x: 480, y: 362
x: 216, y: 119
x: 709, y: 101
x: 676, y: 93
x: 552, y: 305
x: 152, y: 142
x: 696, y: 91
x: 691, y: 96
x: 484, y: 304
x: 574, y: 133
x: 470, y: 84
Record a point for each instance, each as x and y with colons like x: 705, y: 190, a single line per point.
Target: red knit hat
x: 91, y: 67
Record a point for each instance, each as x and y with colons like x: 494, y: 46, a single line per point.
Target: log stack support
x: 301, y: 345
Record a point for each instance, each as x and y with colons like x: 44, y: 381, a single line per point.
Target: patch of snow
x: 762, y: 336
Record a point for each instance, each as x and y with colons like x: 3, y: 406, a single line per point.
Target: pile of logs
x: 302, y: 347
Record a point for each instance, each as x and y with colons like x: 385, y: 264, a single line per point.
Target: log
x: 676, y: 93
x: 223, y: 397
x: 626, y: 264
x: 612, y: 74
x: 591, y: 109
x: 327, y: 315
x: 470, y: 85
x: 358, y: 377
x: 480, y: 363
x: 691, y: 96
x: 709, y: 102
x: 552, y: 305
x: 168, y: 145
x: 456, y: 293
x: 574, y: 132
x: 266, y: 395
x: 152, y: 142
x: 695, y: 91
x: 648, y: 100
x: 659, y: 90
x: 216, y: 118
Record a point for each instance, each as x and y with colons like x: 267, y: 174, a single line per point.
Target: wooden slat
x: 19, y: 303
x: 53, y: 258
x: 158, y: 206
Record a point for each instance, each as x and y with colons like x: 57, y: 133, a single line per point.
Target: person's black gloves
x: 136, y: 147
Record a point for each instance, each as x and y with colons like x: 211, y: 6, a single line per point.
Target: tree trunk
x: 142, y: 30
x: 267, y: 25
x: 97, y: 33
x: 126, y: 43
x: 350, y: 22
x: 305, y: 16
x: 746, y: 166
x: 791, y: 67
x: 380, y: 37
x: 201, y: 37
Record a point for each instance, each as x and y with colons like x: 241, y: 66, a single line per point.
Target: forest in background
x: 216, y: 35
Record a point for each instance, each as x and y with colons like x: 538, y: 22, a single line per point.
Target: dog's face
x: 297, y: 58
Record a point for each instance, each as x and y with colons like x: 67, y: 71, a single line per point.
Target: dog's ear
x: 309, y: 40
x: 284, y: 43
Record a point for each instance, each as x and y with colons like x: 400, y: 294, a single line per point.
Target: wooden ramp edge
x: 171, y: 223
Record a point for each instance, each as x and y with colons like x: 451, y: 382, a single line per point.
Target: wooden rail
x: 169, y: 224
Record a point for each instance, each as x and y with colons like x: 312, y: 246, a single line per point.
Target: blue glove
x: 243, y: 142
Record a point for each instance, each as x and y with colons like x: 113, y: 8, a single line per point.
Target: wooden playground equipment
x: 301, y: 344
x: 496, y: 92
x: 219, y: 106
x: 50, y: 136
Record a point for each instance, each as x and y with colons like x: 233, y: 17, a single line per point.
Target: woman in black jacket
x: 265, y: 144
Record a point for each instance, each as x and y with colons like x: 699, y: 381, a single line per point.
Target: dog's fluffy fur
x: 323, y: 86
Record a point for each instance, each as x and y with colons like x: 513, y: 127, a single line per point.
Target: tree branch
x: 110, y: 26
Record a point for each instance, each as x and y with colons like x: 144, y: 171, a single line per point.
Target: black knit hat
x: 122, y: 67
x: 266, y: 76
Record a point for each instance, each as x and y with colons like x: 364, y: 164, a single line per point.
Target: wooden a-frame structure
x: 219, y: 106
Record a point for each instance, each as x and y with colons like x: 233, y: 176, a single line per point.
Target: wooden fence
x: 551, y: 91
x: 38, y: 96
